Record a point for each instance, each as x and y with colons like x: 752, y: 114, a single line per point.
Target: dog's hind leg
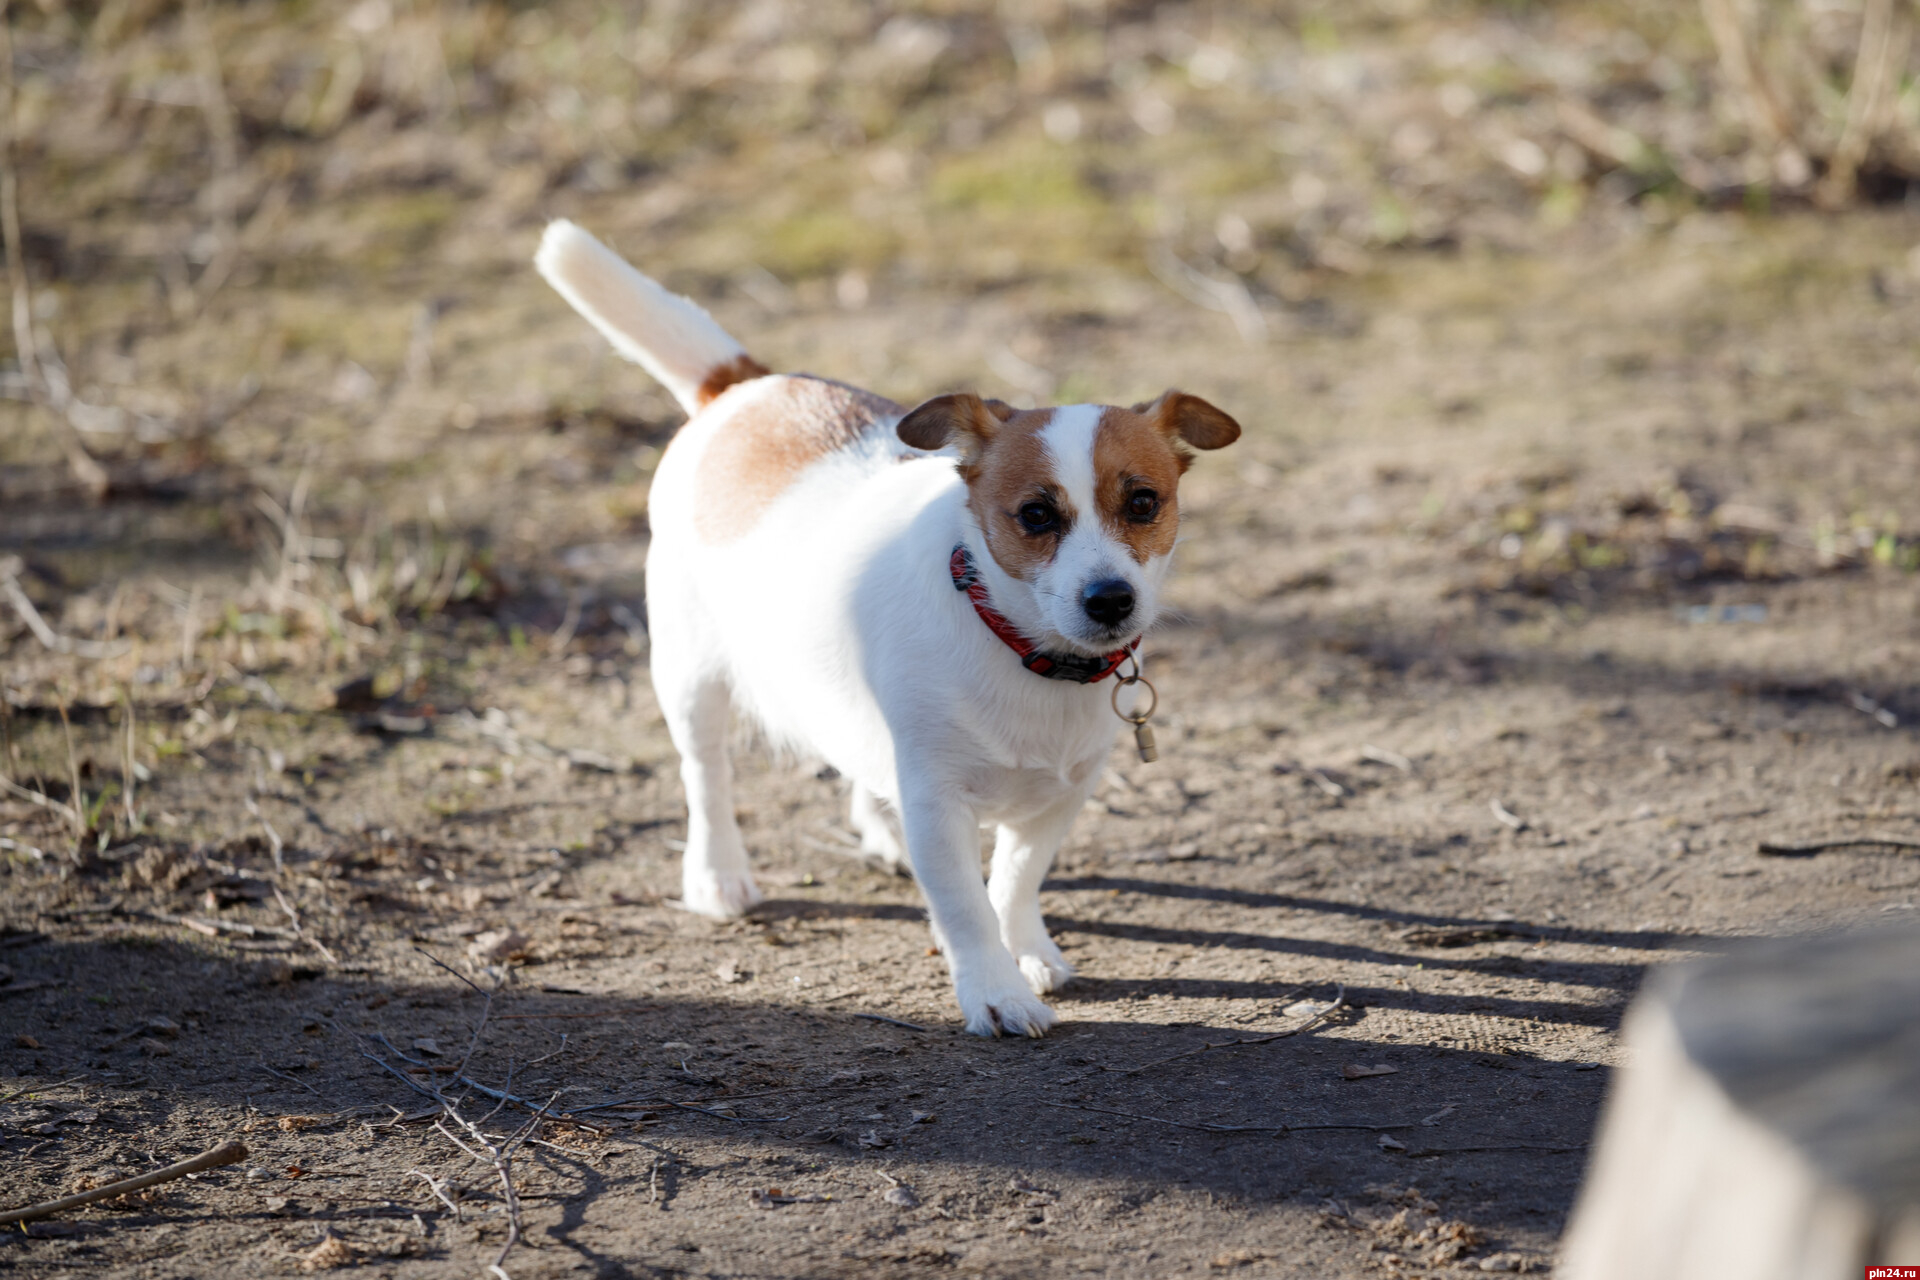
x: 1022, y: 853
x: 879, y: 829
x: 714, y: 880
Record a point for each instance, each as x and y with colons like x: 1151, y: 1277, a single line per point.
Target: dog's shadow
x: 773, y: 910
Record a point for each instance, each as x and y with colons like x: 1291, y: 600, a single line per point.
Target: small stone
x: 903, y: 1197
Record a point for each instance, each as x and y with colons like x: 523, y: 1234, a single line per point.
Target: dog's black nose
x: 1108, y: 603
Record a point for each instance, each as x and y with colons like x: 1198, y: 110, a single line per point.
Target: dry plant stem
x: 224, y: 1154
x: 19, y: 792
x: 301, y: 933
x: 127, y: 766
x: 1775, y: 849
x: 85, y: 468
x: 46, y: 635
x: 79, y: 806
x: 501, y: 1158
x: 1765, y: 115
x: 1873, y: 65
x: 274, y: 842
x: 224, y: 135
x: 483, y: 1149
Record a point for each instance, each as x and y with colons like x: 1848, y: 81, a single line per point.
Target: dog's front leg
x: 1022, y: 852
x: 943, y: 843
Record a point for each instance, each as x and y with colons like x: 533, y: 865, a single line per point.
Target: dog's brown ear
x: 1191, y: 419
x: 961, y: 418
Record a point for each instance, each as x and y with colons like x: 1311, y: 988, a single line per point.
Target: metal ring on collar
x: 1137, y: 716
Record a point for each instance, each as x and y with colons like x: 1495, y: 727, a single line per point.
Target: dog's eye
x: 1144, y: 504
x: 1038, y: 517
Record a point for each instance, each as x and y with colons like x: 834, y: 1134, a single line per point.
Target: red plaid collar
x: 1054, y: 666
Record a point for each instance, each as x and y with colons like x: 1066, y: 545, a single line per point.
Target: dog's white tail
x: 667, y: 335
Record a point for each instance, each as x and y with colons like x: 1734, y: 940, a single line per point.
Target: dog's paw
x: 721, y: 895
x: 1004, y: 1008
x: 1044, y: 968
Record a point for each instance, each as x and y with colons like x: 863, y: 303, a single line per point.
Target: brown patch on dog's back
x: 1012, y: 469
x: 1131, y: 452
x: 739, y: 369
x: 791, y: 423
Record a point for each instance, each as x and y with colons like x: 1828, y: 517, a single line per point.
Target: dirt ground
x: 1569, y: 555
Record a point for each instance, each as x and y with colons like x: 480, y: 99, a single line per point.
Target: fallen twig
x: 892, y: 1022
x: 214, y: 928
x: 1380, y: 755
x: 1226, y: 294
x: 1781, y: 849
x: 224, y: 1154
x: 38, y: 1088
x: 501, y: 1158
x: 721, y: 1115
x: 46, y: 635
x: 299, y: 932
x: 262, y: 1064
x: 34, y: 797
x: 274, y: 843
x: 439, y: 1189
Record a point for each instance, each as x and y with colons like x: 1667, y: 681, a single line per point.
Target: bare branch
x: 224, y: 1154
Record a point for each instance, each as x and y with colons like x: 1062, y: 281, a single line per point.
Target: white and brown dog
x: 890, y: 591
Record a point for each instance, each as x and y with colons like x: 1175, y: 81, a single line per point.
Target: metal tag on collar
x: 1142, y: 731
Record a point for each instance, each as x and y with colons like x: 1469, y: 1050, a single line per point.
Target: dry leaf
x: 25, y: 1042
x: 328, y: 1254
x: 1361, y: 1070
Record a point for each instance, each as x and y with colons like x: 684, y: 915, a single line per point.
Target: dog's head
x: 1079, y: 502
